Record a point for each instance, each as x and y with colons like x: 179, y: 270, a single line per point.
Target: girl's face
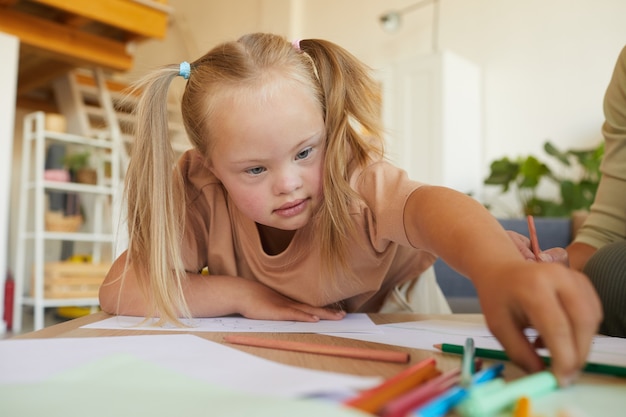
x: 268, y: 152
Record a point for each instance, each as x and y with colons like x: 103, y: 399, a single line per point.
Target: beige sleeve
x: 384, y: 189
x: 606, y: 222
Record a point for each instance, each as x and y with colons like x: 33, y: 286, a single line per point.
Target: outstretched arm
x: 209, y: 296
x: 514, y: 293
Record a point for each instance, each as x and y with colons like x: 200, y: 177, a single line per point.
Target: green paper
x: 123, y: 385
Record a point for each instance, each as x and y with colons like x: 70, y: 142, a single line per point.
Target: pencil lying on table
x: 591, y: 367
x: 344, y: 351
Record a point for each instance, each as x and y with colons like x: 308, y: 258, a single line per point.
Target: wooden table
x: 73, y: 328
x: 445, y: 362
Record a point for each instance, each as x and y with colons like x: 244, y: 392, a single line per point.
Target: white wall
x: 545, y: 63
x: 9, y: 45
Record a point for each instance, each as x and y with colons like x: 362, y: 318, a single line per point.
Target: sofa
x: 460, y: 292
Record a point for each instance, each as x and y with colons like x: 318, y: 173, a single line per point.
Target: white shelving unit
x: 32, y: 236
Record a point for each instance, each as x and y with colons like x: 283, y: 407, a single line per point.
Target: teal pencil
x: 596, y: 368
x: 481, y: 404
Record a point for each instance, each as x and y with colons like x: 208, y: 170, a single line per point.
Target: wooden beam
x: 37, y: 104
x: 67, y: 44
x: 32, y: 77
x: 112, y: 85
x: 128, y: 15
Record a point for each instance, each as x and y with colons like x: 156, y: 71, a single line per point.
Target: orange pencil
x: 534, y: 242
x: 344, y: 351
x: 374, y: 399
x: 522, y: 407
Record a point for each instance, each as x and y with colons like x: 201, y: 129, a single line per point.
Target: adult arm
x: 606, y: 222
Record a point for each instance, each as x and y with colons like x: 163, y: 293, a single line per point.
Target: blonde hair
x: 349, y: 99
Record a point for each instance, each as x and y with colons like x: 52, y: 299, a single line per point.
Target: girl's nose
x: 287, y: 181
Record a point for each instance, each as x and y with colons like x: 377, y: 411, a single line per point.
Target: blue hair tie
x: 185, y: 70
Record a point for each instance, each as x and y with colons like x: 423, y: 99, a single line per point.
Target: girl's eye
x: 255, y: 170
x: 304, y: 153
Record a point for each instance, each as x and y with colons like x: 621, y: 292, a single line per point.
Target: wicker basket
x: 56, y: 221
x: 87, y: 176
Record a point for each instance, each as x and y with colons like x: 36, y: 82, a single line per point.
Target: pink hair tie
x: 296, y: 44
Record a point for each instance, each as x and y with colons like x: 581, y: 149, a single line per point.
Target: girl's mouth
x: 293, y: 208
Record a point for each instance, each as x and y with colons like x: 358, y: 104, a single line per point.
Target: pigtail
x: 351, y: 101
x: 155, y: 202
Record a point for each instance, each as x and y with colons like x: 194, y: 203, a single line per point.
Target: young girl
x: 288, y: 202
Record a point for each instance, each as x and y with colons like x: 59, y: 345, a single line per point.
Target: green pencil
x: 596, y: 368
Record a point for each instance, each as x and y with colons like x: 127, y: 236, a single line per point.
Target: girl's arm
x: 209, y: 296
x: 514, y: 293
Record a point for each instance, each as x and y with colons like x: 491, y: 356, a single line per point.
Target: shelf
x: 76, y: 237
x: 36, y: 246
x: 74, y: 187
x: 61, y: 302
x: 74, y: 139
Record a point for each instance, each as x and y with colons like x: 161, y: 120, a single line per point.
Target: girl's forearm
x: 458, y: 229
x: 206, y: 296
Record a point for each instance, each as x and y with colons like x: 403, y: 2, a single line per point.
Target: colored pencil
x: 596, y: 368
x: 467, y: 364
x: 534, y: 241
x: 494, y: 401
x: 374, y: 399
x: 442, y: 404
x: 343, y: 351
x: 522, y: 408
x: 400, y: 406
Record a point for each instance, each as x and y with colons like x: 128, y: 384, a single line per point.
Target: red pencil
x: 402, y: 405
x: 344, y: 351
x: 534, y: 242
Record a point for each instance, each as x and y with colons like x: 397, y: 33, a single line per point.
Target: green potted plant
x: 577, y: 180
x: 78, y: 166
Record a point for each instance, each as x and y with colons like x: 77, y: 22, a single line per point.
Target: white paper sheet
x: 33, y: 360
x: 425, y: 334
x: 125, y: 385
x: 351, y: 323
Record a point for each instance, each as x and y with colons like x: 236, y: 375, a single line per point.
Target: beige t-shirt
x: 606, y: 222
x: 218, y: 236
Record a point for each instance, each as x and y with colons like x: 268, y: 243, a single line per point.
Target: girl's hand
x: 550, y: 255
x: 560, y: 303
x: 263, y: 303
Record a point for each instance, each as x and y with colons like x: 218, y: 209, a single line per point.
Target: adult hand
x: 560, y: 303
x: 522, y: 243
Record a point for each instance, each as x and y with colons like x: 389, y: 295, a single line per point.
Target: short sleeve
x: 385, y: 189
